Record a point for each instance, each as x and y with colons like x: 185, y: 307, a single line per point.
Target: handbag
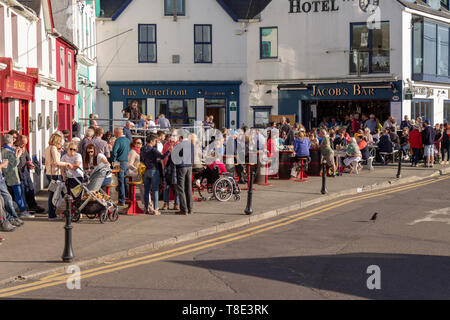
x: 53, y: 185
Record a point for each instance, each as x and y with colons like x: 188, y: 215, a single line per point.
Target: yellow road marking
x: 61, y: 278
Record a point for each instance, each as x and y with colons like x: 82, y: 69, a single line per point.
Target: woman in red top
x: 415, y: 143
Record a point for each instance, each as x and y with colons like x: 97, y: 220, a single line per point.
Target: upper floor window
x: 69, y: 70
x: 62, y: 66
x: 169, y: 7
x: 269, y: 43
x: 203, y: 43
x: 431, y: 54
x: 147, y: 43
x: 444, y: 3
x: 369, y: 48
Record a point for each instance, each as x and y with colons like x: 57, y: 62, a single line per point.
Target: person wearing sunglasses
x: 134, y: 159
x: 92, y: 158
x: 75, y: 163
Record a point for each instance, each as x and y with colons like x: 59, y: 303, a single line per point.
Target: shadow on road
x: 403, y: 276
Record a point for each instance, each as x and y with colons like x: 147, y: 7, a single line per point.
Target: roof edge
x: 228, y: 10
x: 121, y: 9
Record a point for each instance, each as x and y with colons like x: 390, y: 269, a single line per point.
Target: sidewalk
x: 37, y: 246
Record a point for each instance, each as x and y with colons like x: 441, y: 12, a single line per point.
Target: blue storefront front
x: 313, y: 101
x: 182, y: 102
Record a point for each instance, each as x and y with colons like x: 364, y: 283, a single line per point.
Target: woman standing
x: 73, y: 170
x: 53, y: 165
x: 170, y: 175
x: 11, y: 173
x: 25, y: 165
x: 134, y: 160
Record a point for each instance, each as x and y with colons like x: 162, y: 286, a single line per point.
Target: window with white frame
x: 62, y: 65
x: 422, y: 108
x: 69, y: 70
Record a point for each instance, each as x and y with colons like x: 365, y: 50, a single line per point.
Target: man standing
x: 151, y: 157
x: 132, y: 112
x: 326, y: 151
x: 75, y: 129
x: 88, y: 136
x: 428, y: 144
x: 163, y: 122
x: 406, y: 123
x: 120, y: 153
x: 371, y: 123
x: 127, y: 130
x: 11, y: 220
x: 183, y: 158
x: 99, y: 143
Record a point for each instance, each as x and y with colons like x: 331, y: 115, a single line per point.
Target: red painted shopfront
x: 65, y: 73
x: 20, y: 86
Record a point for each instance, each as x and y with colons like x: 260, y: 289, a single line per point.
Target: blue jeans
x: 167, y: 188
x: 123, y: 191
x: 9, y: 205
x: 51, y: 207
x: 19, y: 197
x: 28, y: 190
x: 151, y: 180
x: 415, y: 157
x: 106, y: 182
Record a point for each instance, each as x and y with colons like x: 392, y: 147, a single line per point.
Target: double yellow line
x: 61, y: 278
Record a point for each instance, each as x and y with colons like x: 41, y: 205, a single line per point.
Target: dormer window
x: 169, y: 7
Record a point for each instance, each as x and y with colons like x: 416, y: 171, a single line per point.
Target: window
x: 147, y: 43
x: 444, y: 3
x: 202, y: 43
x: 447, y: 111
x: 430, y: 51
x: 39, y: 44
x: 50, y: 56
x: 442, y: 50
x: 261, y: 116
x: 422, y: 108
x: 370, y: 48
x: 269, y: 43
x: 14, y: 34
x: 417, y: 47
x: 62, y: 64
x: 177, y: 111
x: 69, y: 70
x: 169, y: 7
x: 429, y: 46
x: 142, y: 104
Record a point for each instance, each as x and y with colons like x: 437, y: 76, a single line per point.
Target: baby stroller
x: 222, y: 186
x: 91, y: 200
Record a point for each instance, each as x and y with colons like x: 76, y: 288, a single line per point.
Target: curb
x: 223, y: 227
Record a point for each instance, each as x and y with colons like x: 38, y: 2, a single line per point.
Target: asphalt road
x: 319, y: 253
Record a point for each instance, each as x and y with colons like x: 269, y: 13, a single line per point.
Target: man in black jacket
x: 428, y: 144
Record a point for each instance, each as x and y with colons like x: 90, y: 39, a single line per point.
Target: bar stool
x: 133, y: 207
x: 301, y: 176
x: 108, y: 187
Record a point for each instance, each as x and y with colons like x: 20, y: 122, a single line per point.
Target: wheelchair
x: 222, y: 186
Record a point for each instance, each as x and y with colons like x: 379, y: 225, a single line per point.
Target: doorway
x: 24, y: 120
x: 217, y: 109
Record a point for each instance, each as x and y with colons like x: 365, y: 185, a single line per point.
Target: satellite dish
x: 434, y: 4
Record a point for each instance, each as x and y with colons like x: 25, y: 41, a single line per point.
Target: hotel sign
x: 302, y: 6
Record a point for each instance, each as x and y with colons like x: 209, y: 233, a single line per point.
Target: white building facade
x: 84, y: 15
x: 184, y: 65
x: 28, y: 78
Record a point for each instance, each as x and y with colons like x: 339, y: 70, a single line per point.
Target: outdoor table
x: 339, y: 154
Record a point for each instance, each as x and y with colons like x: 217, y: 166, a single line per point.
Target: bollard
x: 68, y: 252
x: 248, y: 209
x: 399, y: 171
x: 324, y: 177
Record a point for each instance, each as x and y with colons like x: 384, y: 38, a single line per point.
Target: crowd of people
x: 127, y: 149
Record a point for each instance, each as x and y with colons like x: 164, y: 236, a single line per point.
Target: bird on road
x: 374, y: 217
